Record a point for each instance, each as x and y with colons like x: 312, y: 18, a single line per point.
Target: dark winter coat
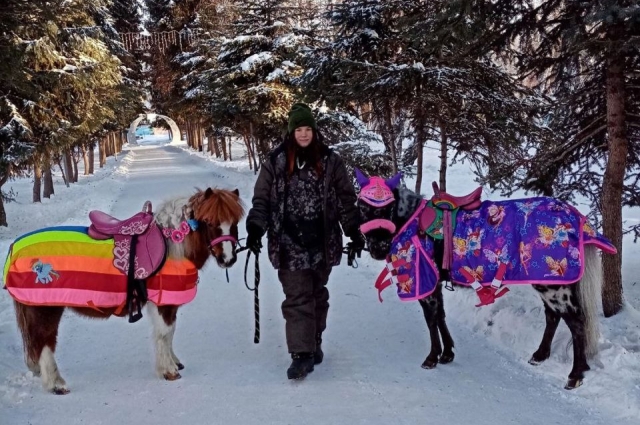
x: 338, y: 200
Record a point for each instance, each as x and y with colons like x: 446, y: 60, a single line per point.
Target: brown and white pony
x: 217, y: 213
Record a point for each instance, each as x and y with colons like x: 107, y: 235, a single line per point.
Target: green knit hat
x: 300, y: 115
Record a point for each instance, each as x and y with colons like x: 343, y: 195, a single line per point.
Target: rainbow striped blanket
x: 63, y: 266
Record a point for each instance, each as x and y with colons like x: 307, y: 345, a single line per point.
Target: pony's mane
x: 220, y: 205
x: 171, y: 212
x: 407, y: 202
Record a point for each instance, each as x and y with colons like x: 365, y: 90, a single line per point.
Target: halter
x: 223, y: 238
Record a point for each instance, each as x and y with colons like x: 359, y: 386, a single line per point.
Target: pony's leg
x: 447, y: 354
x: 39, y: 328
x: 430, y: 309
x: 575, y: 322
x: 164, y: 325
x: 553, y: 319
x: 563, y: 301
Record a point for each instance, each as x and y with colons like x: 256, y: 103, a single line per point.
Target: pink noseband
x: 378, y: 223
x: 223, y: 238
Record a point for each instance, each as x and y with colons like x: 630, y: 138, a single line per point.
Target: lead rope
x: 256, y: 297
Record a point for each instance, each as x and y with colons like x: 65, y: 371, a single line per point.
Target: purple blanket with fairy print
x: 541, y: 240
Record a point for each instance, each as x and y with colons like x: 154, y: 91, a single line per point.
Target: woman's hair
x: 314, y: 152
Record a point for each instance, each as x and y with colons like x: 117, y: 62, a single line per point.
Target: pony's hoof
x: 535, y: 362
x: 180, y: 366
x: 429, y: 364
x: 172, y: 376
x: 60, y: 390
x: 573, y: 383
x: 446, y: 358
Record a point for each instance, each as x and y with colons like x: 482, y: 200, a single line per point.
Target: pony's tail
x: 588, y: 292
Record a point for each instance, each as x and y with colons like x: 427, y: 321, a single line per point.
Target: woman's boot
x: 318, y: 355
x: 301, y: 365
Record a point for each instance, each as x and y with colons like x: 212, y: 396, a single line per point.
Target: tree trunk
x: 200, y: 138
x: 229, y: 150
x: 64, y: 176
x: 75, y: 169
x: 101, y: 153
x: 443, y: 156
x: 114, y: 144
x: 91, y: 158
x: 85, y: 158
x: 37, y: 180
x: 216, y: 147
x: 68, y: 166
x: 47, y: 190
x: 189, y: 134
x: 3, y: 213
x: 388, y: 135
x: 612, y: 186
x: 420, y: 139
x: 223, y: 146
x: 247, y: 143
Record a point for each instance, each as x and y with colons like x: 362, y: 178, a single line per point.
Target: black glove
x: 355, y: 247
x: 358, y: 242
x: 254, y: 238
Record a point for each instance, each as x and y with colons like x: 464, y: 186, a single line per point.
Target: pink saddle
x: 449, y: 202
x: 150, y: 246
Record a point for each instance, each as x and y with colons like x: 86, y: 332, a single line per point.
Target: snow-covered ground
x: 371, y: 373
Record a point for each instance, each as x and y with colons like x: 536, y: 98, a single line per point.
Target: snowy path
x: 371, y: 373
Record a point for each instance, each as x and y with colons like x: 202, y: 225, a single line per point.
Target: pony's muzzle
x: 379, y: 243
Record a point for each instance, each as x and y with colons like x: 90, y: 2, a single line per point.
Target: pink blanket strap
x: 448, y: 240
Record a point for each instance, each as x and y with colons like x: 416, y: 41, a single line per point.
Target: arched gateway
x: 175, y: 130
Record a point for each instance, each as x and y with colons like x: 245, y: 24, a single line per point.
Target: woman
x: 302, y: 195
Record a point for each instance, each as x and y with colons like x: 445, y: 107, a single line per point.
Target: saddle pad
x: 63, y: 266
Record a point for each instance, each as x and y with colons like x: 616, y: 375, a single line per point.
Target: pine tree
x: 252, y: 81
x: 422, y: 86
x: 584, y: 56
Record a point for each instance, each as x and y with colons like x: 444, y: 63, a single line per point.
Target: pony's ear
x: 237, y: 192
x: 361, y: 178
x: 208, y: 193
x: 394, y: 181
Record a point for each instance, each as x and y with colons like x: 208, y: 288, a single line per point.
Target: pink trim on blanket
x: 70, y: 298
x: 172, y: 297
x: 423, y: 203
x: 602, y: 246
x: 99, y: 299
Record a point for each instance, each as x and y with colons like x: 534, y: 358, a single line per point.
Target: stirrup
x: 486, y: 296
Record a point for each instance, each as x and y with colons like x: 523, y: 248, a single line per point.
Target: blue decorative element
x: 44, y: 272
x: 193, y: 224
x: 79, y: 229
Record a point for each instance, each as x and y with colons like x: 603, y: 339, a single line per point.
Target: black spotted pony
x: 486, y: 245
